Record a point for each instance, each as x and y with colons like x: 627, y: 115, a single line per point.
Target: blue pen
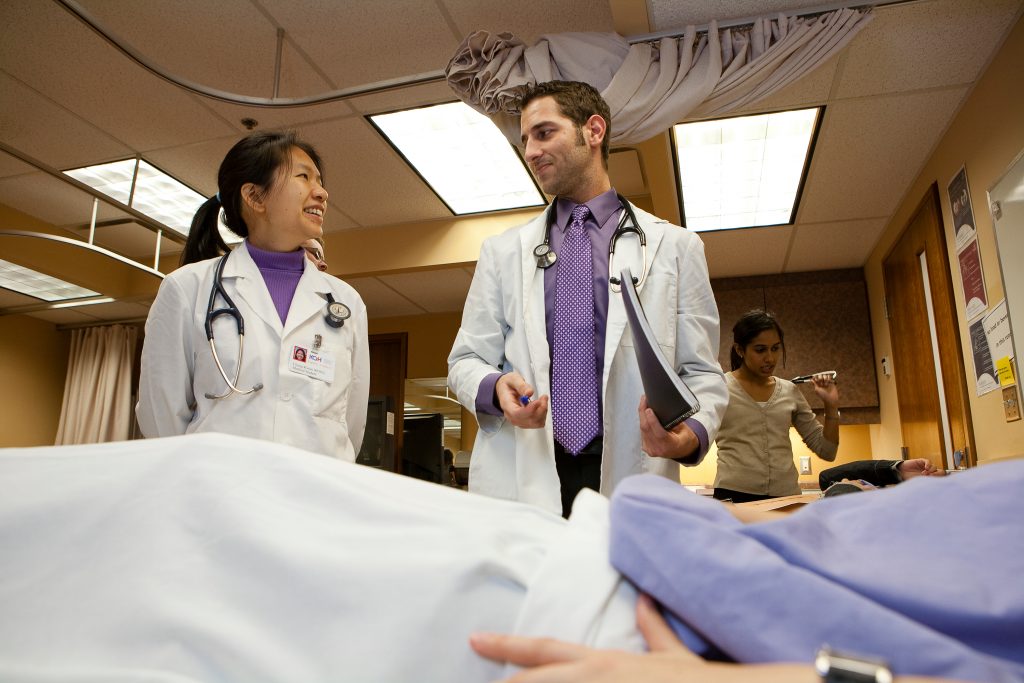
x: 525, y: 400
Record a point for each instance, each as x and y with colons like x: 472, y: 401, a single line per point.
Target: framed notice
x: 984, y: 369
x: 964, y: 226
x: 972, y: 278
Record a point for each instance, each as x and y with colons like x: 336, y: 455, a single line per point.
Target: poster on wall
x: 1000, y: 342
x: 963, y: 212
x: 972, y: 279
x: 984, y: 369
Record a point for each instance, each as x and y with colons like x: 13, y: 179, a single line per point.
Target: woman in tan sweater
x: 755, y: 456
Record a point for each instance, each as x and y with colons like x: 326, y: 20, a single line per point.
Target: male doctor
x: 535, y: 327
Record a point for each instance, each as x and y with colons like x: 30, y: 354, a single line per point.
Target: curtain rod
x: 379, y: 86
x: 100, y: 323
x: 732, y: 23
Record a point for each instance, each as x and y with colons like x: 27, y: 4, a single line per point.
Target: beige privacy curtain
x: 98, y: 391
x: 650, y: 87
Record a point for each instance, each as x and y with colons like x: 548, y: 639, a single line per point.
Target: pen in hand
x: 807, y: 378
x: 524, y: 400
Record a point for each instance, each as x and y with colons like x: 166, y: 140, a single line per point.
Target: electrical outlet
x: 805, y: 464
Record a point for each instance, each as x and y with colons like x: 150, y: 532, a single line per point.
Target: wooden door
x: 922, y: 320
x: 387, y: 378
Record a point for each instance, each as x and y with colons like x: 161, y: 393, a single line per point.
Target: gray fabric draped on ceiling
x: 650, y: 86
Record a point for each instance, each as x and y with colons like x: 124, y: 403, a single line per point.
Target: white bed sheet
x: 217, y: 558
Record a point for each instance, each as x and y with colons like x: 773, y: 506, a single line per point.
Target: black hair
x: 577, y: 101
x: 751, y: 324
x: 254, y: 159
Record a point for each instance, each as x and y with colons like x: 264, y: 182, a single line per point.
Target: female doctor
x: 263, y: 301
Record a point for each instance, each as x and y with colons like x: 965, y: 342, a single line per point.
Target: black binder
x: 667, y: 393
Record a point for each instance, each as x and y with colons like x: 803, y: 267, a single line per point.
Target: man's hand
x: 656, y: 442
x: 510, y: 389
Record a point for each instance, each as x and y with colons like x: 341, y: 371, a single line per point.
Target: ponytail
x: 204, y: 240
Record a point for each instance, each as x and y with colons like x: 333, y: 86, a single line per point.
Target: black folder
x: 667, y: 393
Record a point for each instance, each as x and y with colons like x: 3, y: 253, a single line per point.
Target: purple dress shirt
x: 605, y: 211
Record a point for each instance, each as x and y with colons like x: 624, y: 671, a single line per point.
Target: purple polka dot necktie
x: 574, y: 386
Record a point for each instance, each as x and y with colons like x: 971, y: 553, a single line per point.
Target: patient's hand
x: 918, y: 467
x: 547, y: 660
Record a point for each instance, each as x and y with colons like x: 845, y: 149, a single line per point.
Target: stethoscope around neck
x: 546, y: 256
x: 337, y: 314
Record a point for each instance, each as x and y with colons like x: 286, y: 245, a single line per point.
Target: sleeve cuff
x: 702, y: 439
x: 486, y: 398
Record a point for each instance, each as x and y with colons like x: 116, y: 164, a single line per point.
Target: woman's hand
x: 827, y: 390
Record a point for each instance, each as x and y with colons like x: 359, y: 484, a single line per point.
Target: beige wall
x: 429, y: 342
x: 33, y: 363
x: 986, y: 136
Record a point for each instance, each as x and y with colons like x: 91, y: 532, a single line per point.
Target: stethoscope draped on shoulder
x: 546, y: 257
x: 337, y: 314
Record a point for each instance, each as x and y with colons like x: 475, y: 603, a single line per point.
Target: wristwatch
x: 839, y: 667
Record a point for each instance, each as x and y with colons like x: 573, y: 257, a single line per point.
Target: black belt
x: 595, y: 447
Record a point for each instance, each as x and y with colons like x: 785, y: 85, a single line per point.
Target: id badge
x: 312, y: 362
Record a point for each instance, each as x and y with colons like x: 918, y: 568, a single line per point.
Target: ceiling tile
x: 367, y: 179
x: 37, y: 126
x: 751, y: 251
x: 88, y: 78
x: 924, y: 45
x: 366, y: 53
x: 383, y: 301
x: 827, y: 246
x: 435, y: 291
x: 528, y: 20
x: 870, y: 150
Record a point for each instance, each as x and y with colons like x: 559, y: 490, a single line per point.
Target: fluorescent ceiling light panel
x: 36, y: 284
x: 158, y: 195
x: 745, y: 171
x: 462, y: 156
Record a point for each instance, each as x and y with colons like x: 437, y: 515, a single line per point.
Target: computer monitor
x: 423, y: 447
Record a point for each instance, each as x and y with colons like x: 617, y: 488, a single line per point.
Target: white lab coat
x: 178, y: 368
x: 503, y: 329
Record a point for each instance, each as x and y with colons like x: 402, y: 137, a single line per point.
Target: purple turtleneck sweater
x: 281, y: 272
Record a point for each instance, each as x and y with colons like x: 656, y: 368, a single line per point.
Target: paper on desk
x: 667, y: 393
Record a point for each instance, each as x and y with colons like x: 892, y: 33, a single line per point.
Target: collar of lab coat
x: 532, y: 292
x: 310, y: 294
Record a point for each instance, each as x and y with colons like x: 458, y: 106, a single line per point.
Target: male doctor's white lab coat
x: 503, y: 329
x: 178, y: 368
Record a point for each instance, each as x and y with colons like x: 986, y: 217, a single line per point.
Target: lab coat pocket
x: 330, y: 399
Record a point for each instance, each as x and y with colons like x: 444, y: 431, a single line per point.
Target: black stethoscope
x: 337, y: 314
x: 546, y: 257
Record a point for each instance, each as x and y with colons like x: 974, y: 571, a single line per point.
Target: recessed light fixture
x: 462, y: 156
x: 39, y: 285
x: 744, y: 171
x: 144, y: 187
